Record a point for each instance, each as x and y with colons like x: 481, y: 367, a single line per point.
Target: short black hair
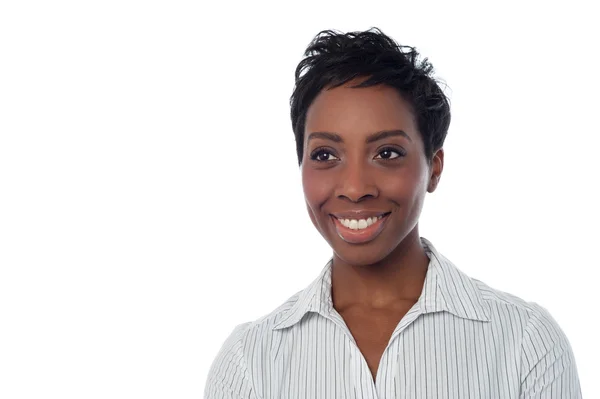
x: 333, y: 58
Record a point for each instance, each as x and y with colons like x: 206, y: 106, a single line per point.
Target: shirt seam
x: 245, y: 367
x: 558, y: 349
x: 223, y: 386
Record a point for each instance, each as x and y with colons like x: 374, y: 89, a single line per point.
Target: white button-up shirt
x: 461, y: 339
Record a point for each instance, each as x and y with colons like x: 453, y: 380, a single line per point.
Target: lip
x: 363, y: 235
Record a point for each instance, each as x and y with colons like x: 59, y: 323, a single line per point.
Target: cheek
x: 313, y: 219
x: 317, y: 190
x: 404, y: 187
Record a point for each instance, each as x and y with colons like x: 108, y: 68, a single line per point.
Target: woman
x: 389, y: 316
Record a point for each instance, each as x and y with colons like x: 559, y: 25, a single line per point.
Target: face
x: 364, y: 171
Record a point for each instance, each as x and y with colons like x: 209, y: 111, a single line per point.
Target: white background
x: 150, y: 198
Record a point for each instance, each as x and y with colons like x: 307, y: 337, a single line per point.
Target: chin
x: 360, y: 255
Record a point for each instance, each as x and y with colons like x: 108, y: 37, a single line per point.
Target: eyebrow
x: 384, y: 134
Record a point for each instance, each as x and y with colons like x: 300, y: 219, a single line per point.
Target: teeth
x: 359, y: 224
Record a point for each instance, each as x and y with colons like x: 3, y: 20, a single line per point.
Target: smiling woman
x: 389, y: 316
x: 371, y: 163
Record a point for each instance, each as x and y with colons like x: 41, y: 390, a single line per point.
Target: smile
x: 358, y: 231
x: 359, y: 224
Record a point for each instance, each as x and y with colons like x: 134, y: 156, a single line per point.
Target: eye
x: 322, y: 155
x: 390, y: 153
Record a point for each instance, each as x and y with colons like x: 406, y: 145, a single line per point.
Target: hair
x: 334, y: 58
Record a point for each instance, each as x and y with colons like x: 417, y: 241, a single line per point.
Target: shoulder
x: 514, y: 305
x: 230, y: 366
x: 244, y: 335
x: 228, y: 375
x: 546, y: 360
x: 540, y: 334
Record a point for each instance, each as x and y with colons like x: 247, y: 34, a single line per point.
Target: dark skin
x: 353, y: 168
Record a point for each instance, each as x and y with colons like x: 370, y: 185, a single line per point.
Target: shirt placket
x: 360, y: 374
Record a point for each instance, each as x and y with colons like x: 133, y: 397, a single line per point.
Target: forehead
x: 359, y: 111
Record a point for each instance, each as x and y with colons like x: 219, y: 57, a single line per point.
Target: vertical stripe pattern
x: 461, y: 339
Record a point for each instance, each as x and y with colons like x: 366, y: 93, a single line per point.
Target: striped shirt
x: 461, y: 339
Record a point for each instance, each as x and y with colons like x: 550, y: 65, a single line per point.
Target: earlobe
x: 438, y: 165
x: 433, y: 182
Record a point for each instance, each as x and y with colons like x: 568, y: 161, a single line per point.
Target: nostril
x: 351, y: 197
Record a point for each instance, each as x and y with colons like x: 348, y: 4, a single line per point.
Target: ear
x: 437, y: 165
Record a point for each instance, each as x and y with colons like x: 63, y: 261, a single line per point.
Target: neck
x: 392, y: 282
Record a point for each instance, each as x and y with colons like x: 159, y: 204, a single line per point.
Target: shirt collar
x: 446, y: 288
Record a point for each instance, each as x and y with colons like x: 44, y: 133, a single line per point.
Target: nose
x: 356, y: 183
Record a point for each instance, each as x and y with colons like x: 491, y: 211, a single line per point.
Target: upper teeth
x: 357, y: 224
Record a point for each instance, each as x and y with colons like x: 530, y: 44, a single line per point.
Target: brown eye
x: 322, y: 155
x: 389, y: 153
